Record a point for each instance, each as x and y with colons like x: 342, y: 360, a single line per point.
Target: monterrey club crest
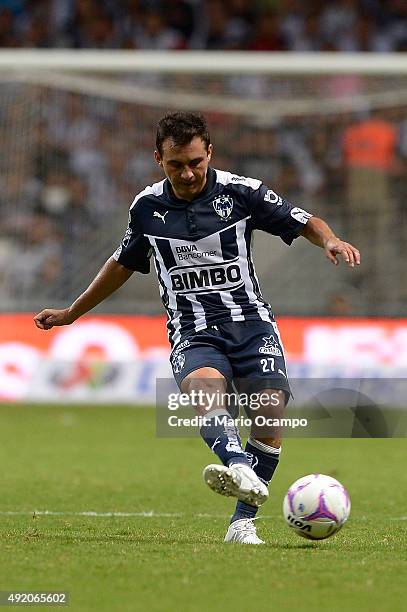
x: 178, y: 357
x: 178, y: 362
x: 223, y: 206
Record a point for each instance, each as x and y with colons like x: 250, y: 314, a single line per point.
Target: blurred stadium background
x: 310, y: 97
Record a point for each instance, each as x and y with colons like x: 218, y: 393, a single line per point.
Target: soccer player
x: 198, y: 223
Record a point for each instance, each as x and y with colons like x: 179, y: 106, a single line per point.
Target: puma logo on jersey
x: 160, y: 216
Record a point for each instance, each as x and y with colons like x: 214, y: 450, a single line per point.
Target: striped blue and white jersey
x: 202, y: 249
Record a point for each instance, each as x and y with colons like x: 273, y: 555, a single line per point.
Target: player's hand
x: 49, y: 318
x: 334, y: 247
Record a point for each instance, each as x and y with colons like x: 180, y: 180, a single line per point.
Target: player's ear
x: 210, y: 151
x: 157, y: 158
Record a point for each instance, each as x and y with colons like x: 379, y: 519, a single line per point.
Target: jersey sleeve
x: 134, y: 250
x: 272, y: 214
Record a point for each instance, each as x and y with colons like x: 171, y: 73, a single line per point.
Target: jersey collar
x: 209, y: 186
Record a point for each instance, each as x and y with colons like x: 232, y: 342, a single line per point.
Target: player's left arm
x: 319, y: 233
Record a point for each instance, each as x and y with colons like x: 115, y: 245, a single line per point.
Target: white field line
x: 148, y: 514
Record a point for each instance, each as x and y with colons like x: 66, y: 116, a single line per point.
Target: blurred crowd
x: 75, y: 162
x: 257, y: 25
x: 71, y: 163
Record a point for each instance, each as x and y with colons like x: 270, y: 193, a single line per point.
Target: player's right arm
x: 111, y: 276
x: 132, y: 255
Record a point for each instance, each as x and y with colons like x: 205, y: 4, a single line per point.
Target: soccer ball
x: 316, y: 506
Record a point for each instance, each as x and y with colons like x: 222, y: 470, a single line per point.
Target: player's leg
x: 263, y: 447
x: 219, y: 431
x: 258, y: 363
x: 235, y: 477
x: 200, y: 365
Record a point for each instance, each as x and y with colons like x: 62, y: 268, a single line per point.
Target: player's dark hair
x: 181, y: 128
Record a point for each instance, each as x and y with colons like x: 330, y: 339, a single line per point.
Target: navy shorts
x: 247, y: 353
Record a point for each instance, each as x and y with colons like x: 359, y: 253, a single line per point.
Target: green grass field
x: 74, y: 460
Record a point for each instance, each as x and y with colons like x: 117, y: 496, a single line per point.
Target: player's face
x: 185, y: 166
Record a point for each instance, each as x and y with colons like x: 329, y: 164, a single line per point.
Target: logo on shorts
x: 223, y: 206
x: 178, y: 362
x: 180, y: 347
x: 270, y: 347
x: 178, y: 357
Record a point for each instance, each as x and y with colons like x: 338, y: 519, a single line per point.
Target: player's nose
x: 187, y: 174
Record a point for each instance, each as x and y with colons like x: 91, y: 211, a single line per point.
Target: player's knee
x: 208, y: 386
x: 266, y: 417
x: 206, y: 379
